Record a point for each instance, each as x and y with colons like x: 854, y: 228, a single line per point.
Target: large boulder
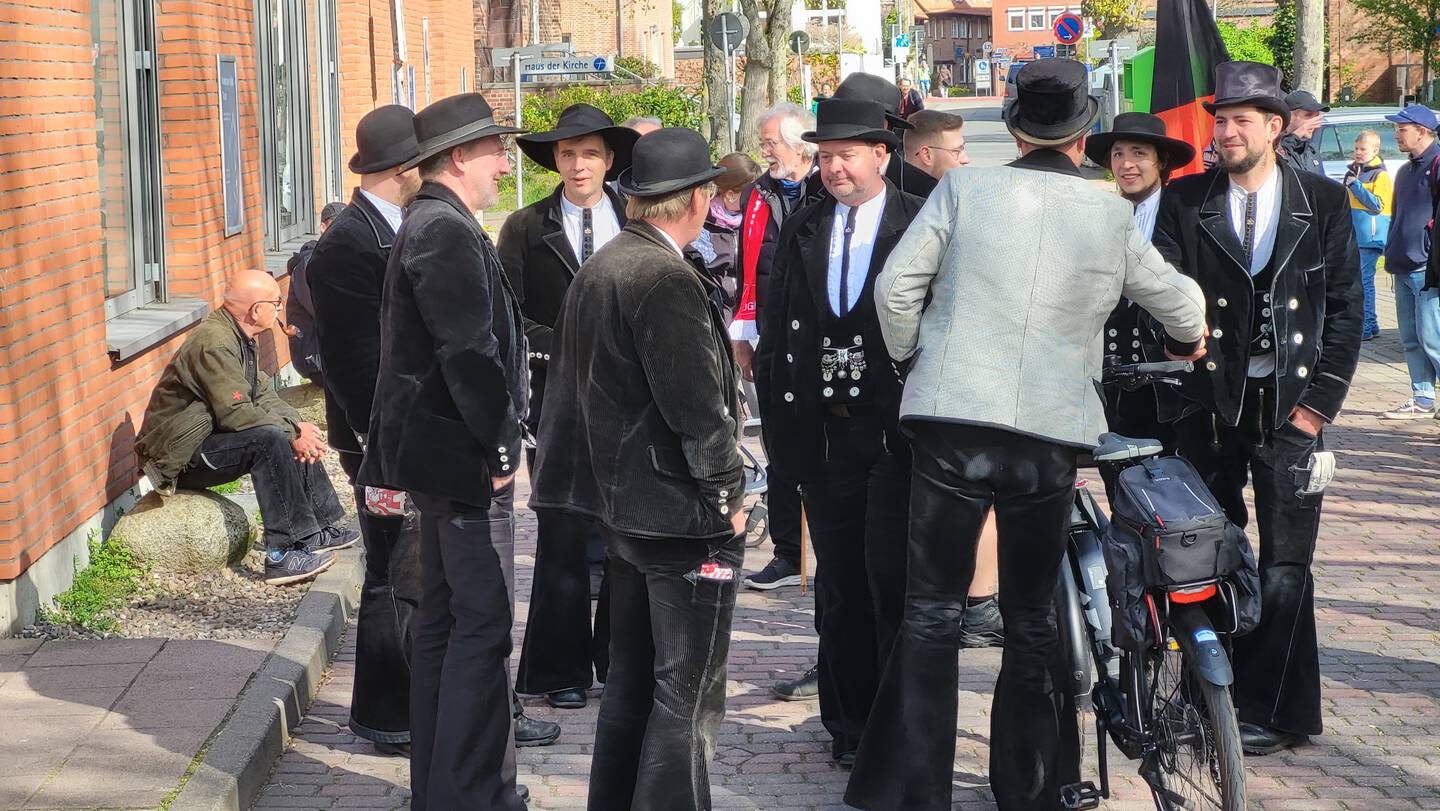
x: 189, y: 532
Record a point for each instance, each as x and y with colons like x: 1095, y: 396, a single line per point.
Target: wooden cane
x: 804, y: 538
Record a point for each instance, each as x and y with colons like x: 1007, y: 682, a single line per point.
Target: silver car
x: 1335, y: 140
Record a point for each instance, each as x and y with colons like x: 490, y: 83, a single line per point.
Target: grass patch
x: 113, y: 575
x: 227, y: 489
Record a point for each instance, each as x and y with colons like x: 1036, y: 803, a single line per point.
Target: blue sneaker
x: 286, y: 566
x: 332, y: 539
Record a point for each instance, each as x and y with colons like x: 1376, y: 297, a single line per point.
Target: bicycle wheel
x: 1199, y: 759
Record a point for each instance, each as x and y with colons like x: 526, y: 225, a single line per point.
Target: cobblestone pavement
x: 1378, y: 606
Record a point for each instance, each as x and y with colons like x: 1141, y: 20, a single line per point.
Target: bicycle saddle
x: 1114, y: 447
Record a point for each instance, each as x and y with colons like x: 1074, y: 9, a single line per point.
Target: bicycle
x: 1167, y: 705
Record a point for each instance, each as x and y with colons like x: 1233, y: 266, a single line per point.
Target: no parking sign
x: 1069, y: 28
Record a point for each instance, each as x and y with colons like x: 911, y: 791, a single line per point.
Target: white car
x: 1335, y: 140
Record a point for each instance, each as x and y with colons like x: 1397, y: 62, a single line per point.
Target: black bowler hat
x: 1250, y: 83
x: 668, y: 160
x: 455, y: 120
x: 576, y: 121
x: 1053, y: 105
x: 385, y: 137
x: 846, y: 120
x: 869, y: 87
x: 1142, y: 127
x: 1305, y: 100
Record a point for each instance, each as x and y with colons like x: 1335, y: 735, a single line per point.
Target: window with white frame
x: 1053, y: 15
x: 1036, y: 17
x: 127, y: 136
x: 1016, y: 19
x: 285, y: 136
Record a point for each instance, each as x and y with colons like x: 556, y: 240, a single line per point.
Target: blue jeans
x: 1419, y: 314
x: 1368, y: 258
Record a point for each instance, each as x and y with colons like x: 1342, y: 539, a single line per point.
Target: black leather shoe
x: 846, y: 760
x: 393, y: 749
x: 567, y: 699
x: 523, y: 792
x: 804, y: 688
x: 1260, y: 740
x: 534, y: 732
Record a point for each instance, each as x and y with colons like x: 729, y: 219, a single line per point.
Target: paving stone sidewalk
x: 1378, y: 606
x: 111, y: 723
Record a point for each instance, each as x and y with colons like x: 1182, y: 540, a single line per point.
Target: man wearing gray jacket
x: 1020, y: 265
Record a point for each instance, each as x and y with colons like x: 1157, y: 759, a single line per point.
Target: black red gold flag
x: 1187, y: 49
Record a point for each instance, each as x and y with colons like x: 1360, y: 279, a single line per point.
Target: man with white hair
x: 643, y: 124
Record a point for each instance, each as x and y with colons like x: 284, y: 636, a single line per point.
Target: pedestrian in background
x: 1370, y: 196
x: 300, y: 306
x: 911, y: 102
x: 445, y: 427
x: 641, y: 436
x: 719, y: 241
x: 1297, y: 146
x: 1407, y: 252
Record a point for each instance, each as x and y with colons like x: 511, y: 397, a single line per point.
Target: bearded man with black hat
x: 346, y: 274
x: 445, y: 426
x: 831, y: 400
x: 1273, y: 248
x: 996, y: 298
x: 639, y: 435
x: 1141, y: 156
x: 542, y: 246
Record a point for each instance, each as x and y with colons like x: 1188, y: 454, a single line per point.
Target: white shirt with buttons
x: 1267, y: 222
x: 604, y: 224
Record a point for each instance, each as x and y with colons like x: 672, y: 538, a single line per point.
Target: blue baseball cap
x: 1416, y: 114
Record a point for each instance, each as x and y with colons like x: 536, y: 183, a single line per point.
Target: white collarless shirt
x: 392, y: 213
x: 1145, y: 212
x: 1267, y: 220
x: 603, y: 223
x: 862, y: 246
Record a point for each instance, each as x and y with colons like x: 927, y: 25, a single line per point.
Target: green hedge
x: 672, y: 106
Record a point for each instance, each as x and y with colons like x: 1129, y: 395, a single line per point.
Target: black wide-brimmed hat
x: 455, y: 120
x: 1250, y: 83
x: 385, y: 137
x: 577, y: 121
x: 668, y: 160
x: 847, y: 120
x: 1053, y: 105
x: 869, y: 87
x: 1142, y: 127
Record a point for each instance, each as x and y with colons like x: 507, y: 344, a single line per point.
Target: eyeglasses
x: 958, y: 150
x: 278, y: 304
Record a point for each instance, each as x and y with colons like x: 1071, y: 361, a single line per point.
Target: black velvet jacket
x: 787, y: 364
x: 450, y: 391
x: 641, y: 432
x: 1316, y: 297
x: 540, y: 263
x: 346, y: 273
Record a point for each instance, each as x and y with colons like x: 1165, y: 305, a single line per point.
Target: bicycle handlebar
x: 1132, y: 376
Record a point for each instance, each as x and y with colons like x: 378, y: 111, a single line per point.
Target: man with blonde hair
x: 641, y: 437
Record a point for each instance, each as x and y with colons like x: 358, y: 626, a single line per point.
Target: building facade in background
x: 955, y: 32
x: 151, y: 148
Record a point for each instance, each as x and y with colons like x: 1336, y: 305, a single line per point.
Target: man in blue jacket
x: 1406, y: 252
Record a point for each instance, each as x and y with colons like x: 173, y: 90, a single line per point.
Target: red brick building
x: 127, y: 196
x: 956, y: 31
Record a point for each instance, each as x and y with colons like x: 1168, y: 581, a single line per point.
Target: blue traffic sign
x: 1043, y: 51
x: 1069, y: 28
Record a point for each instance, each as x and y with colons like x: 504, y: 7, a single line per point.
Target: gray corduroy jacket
x: 998, y: 295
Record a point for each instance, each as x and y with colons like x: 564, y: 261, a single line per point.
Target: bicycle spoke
x: 1187, y: 757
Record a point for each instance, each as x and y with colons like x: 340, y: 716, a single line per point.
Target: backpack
x: 1167, y: 532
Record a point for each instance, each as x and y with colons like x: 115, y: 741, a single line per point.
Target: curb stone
x: 254, y: 736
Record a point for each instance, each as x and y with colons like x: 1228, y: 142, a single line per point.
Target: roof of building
x: 925, y: 9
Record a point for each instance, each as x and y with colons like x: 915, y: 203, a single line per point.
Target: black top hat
x: 869, y: 87
x: 847, y: 120
x: 1305, y: 100
x: 1251, y: 83
x: 385, y: 137
x: 1053, y: 105
x: 455, y: 120
x: 668, y: 160
x: 576, y: 121
x: 1142, y: 127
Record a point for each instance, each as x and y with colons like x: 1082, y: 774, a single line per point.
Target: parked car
x: 1335, y: 140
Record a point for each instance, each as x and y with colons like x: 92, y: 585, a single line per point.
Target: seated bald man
x: 214, y: 416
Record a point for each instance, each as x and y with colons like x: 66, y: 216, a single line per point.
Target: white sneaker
x: 1410, y: 410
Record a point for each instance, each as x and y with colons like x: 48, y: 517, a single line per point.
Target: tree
x: 1403, y: 25
x: 717, y: 84
x: 766, y: 63
x: 1282, y: 40
x: 1112, y: 17
x: 1248, y: 44
x: 1309, y: 63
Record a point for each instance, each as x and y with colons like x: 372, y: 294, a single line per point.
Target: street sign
x: 799, y: 42
x: 982, y: 69
x: 727, y: 31
x: 1069, y: 28
x: 902, y: 41
x: 552, y: 65
x: 1043, y: 51
x: 987, y: 48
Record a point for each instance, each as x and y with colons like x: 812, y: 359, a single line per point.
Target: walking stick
x: 804, y: 538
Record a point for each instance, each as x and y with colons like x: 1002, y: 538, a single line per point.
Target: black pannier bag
x: 1168, y: 532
